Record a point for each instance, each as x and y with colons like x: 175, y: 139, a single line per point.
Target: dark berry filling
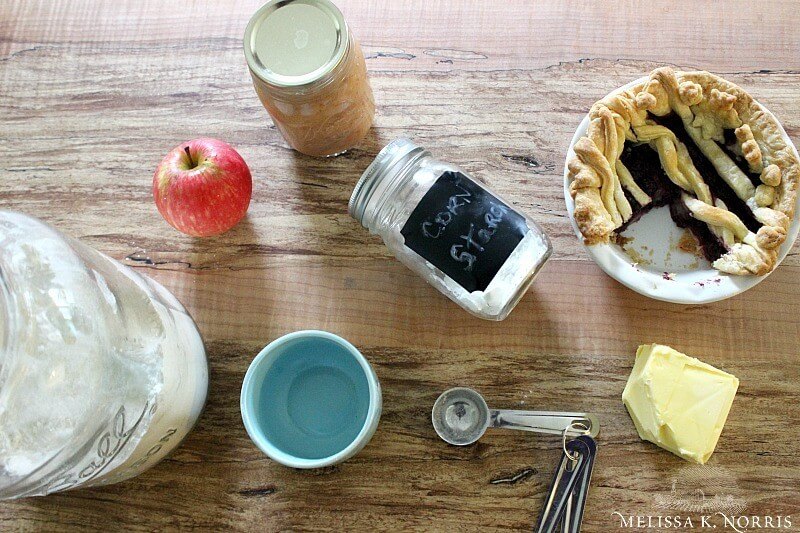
x: 645, y: 167
x: 729, y: 148
x: 719, y: 188
x: 643, y: 163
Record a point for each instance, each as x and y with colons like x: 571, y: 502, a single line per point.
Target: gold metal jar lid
x: 290, y: 43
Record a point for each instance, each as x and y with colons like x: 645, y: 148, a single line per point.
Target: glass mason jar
x: 310, y: 75
x: 457, y: 234
x: 102, y: 371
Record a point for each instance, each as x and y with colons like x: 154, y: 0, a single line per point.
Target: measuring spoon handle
x: 550, y: 422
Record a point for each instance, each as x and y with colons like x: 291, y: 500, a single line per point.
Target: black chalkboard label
x: 463, y: 230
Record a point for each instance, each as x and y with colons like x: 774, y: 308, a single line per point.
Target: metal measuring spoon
x: 460, y: 417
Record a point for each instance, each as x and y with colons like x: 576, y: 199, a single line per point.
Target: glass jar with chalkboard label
x: 463, y: 239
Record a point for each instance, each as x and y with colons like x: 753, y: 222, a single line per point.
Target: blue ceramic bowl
x: 310, y: 399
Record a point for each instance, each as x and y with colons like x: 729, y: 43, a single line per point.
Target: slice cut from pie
x: 700, y: 145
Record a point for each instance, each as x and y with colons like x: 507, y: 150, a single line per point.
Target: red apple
x: 202, y: 187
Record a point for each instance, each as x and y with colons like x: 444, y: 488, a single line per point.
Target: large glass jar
x: 102, y: 371
x: 310, y: 75
x: 453, y: 231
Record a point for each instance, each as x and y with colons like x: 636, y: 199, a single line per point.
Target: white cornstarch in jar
x: 461, y: 237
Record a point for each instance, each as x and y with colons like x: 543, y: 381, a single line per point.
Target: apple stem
x: 189, y: 155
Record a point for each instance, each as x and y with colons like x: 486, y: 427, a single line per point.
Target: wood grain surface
x: 93, y: 94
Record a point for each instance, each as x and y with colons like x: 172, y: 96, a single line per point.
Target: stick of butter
x: 678, y: 402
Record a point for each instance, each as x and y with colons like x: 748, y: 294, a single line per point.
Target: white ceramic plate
x: 654, y: 265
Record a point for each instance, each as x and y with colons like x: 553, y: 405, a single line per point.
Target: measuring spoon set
x: 461, y: 416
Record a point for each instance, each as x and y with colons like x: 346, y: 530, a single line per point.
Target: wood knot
x: 258, y: 491
x: 527, y: 160
x: 513, y: 479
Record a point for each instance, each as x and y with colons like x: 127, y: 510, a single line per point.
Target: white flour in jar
x: 89, y: 363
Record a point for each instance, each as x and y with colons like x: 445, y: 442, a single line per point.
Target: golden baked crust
x: 707, y: 105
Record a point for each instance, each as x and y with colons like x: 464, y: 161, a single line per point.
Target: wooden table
x: 93, y: 94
